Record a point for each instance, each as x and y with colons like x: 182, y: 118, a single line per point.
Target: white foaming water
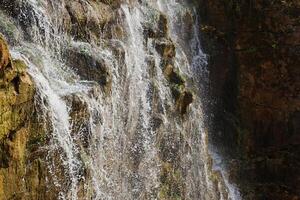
x: 58, y: 111
x: 197, y: 69
x: 199, y: 72
x: 121, y: 157
x: 50, y: 79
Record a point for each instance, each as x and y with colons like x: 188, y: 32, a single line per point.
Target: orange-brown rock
x: 21, y: 174
x: 4, y: 53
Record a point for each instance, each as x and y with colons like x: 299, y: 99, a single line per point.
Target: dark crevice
x: 16, y: 82
x: 4, y: 155
x: 11, y: 135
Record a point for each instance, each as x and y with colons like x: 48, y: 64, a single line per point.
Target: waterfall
x: 128, y: 139
x: 52, y: 87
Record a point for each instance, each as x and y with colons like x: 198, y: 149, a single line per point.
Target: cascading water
x: 134, y: 141
x: 52, y: 87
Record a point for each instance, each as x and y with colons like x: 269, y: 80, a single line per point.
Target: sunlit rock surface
x: 17, y: 128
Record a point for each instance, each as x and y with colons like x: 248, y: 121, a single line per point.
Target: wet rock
x: 187, y: 25
x: 88, y: 64
x: 23, y: 14
x: 88, y: 18
x: 185, y: 100
x: 156, y: 122
x: 112, y: 3
x: 113, y: 30
x: 79, y: 119
x: 9, y: 29
x: 183, y: 97
x: 181, y: 94
x: 173, y: 76
x: 156, y: 25
x: 171, y: 183
x: 165, y: 48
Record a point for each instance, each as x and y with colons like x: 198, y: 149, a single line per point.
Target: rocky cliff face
x: 114, y: 111
x: 254, y: 78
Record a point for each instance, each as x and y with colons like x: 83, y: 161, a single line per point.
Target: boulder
x: 88, y: 63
